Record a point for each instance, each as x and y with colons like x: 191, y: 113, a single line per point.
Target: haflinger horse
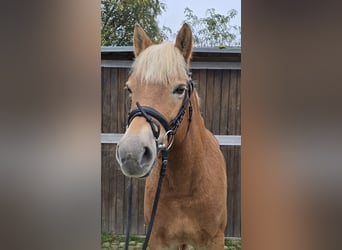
x: 192, y: 208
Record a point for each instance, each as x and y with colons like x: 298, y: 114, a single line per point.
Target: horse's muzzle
x: 135, y: 156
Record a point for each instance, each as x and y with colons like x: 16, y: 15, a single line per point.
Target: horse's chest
x: 180, y: 216
x: 180, y: 222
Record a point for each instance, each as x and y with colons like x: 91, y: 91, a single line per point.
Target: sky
x: 174, y: 14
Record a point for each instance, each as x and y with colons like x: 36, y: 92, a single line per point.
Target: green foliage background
x: 118, y: 18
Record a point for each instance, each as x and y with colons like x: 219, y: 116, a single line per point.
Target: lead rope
x: 155, y: 203
x: 156, y: 197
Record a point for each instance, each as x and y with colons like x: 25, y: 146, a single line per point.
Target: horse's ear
x: 140, y: 40
x: 184, y: 42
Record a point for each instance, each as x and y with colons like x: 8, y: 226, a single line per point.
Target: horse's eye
x: 180, y: 89
x: 128, y: 89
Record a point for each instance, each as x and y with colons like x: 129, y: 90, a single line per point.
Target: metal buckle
x: 162, y: 145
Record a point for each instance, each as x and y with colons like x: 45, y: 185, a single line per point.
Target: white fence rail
x: 224, y: 140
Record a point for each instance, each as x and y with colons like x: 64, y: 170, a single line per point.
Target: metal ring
x: 172, y: 137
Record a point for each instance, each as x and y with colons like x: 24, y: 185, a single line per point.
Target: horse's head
x: 159, y: 89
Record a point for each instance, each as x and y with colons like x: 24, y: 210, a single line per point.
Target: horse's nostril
x: 147, y: 156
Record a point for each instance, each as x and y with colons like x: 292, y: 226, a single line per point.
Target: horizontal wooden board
x: 224, y: 140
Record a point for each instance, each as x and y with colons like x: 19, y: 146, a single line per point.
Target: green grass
x: 232, y: 245
x: 106, y: 237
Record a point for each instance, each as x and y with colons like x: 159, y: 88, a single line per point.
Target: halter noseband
x: 152, y: 116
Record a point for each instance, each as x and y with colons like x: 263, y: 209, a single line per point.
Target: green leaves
x: 214, y: 29
x: 118, y: 18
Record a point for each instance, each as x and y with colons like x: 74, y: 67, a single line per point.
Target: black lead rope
x: 164, y: 153
x: 156, y: 198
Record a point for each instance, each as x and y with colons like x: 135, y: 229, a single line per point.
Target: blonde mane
x: 160, y: 63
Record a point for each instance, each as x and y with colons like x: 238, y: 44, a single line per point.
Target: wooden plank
x: 224, y: 151
x: 238, y: 103
x: 194, y: 65
x: 208, y: 115
x: 224, y: 103
x: 203, y: 50
x: 125, y: 200
x: 224, y: 140
x: 127, y: 100
x: 209, y: 54
x: 230, y: 198
x: 120, y: 200
x: 229, y: 140
x: 114, y: 99
x: 231, y: 102
x: 104, y: 188
x: 216, y: 105
x: 105, y: 104
x: 110, y: 138
x: 121, y: 108
x: 234, y: 114
x: 111, y: 172
x: 234, y: 191
x: 116, y: 63
x: 216, y: 65
x: 237, y: 193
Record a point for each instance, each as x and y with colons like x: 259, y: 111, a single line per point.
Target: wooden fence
x: 216, y: 74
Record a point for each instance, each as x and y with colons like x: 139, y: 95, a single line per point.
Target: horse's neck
x: 185, y: 157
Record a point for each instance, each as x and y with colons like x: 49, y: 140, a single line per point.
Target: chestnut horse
x: 192, y: 207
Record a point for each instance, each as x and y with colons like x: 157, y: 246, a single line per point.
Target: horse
x: 192, y: 209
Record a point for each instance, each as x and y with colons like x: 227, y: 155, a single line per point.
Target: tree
x: 118, y: 18
x: 213, y: 30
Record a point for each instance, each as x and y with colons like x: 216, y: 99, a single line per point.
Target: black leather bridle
x: 155, y: 119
